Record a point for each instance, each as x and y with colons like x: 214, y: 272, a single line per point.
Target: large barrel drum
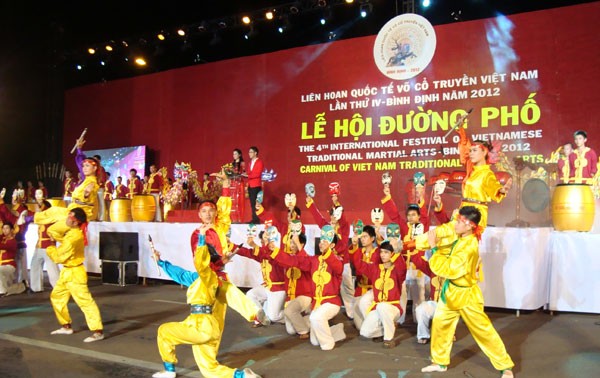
x: 573, y: 207
x: 57, y: 202
x: 120, y: 210
x: 143, y: 208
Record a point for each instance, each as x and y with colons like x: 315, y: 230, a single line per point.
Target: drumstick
x: 459, y: 122
x: 153, y: 253
x: 79, y: 140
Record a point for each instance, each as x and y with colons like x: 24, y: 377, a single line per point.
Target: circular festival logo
x: 404, y: 46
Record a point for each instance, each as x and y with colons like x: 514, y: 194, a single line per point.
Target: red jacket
x: 273, y: 274
x: 254, y: 173
x: 325, y: 272
x: 8, y: 251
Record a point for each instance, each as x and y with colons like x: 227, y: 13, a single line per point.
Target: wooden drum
x: 573, y: 207
x: 120, y: 210
x: 143, y: 208
x: 57, y: 202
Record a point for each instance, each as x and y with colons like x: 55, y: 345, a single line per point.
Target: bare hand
x: 203, y: 228
x: 88, y: 189
x: 156, y: 255
x: 79, y: 143
x: 432, y: 238
x: 506, y: 186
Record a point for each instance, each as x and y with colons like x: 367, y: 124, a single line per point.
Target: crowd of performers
x: 369, y: 274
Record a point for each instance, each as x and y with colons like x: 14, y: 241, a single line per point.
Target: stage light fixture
x: 102, y: 63
x: 246, y: 20
x: 426, y: 3
x: 181, y: 32
x: 222, y: 24
x: 323, y: 21
x: 269, y: 15
x: 295, y: 8
x: 322, y: 3
x: 203, y: 27
x: 91, y: 51
x: 140, y: 61
x: 124, y: 43
x: 108, y: 48
x: 349, y: 1
x: 79, y: 67
x: 160, y: 36
x: 365, y: 9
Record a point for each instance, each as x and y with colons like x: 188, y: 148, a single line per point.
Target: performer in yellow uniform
x: 73, y: 277
x: 461, y: 297
x: 85, y: 196
x: 480, y: 185
x: 201, y: 328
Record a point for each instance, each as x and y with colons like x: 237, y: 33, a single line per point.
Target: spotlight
x: 140, y: 61
x: 281, y: 29
x: 91, y: 51
x: 426, y: 3
x: 79, y: 67
x: 160, y: 36
x: 269, y: 15
x: 246, y: 20
x: 349, y: 1
x: 181, y: 32
x: 124, y: 43
x: 108, y: 48
x: 323, y: 21
x: 365, y: 9
x: 102, y: 63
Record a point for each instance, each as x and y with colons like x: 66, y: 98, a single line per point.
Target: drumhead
x: 535, y: 195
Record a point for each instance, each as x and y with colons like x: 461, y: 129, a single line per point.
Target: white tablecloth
x: 574, y: 277
x: 515, y: 267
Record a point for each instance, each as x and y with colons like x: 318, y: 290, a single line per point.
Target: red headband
x: 477, y: 230
x: 91, y: 161
x: 207, y: 203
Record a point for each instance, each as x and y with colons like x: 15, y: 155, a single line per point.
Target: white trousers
x: 347, y: 290
x: 381, y: 321
x: 21, y: 261
x: 7, y: 279
x: 157, y: 214
x: 270, y: 301
x: 295, y: 322
x: 361, y: 305
x: 36, y: 272
x: 425, y: 312
x: 101, y: 206
x: 320, y: 333
x: 413, y: 287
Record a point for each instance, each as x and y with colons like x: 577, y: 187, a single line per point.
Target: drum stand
x: 517, y: 222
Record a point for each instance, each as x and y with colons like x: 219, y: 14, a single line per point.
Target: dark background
x: 42, y: 42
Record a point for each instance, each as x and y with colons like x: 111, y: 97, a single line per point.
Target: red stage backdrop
x: 326, y: 113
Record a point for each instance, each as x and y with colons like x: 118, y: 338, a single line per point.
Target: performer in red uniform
x: 69, y: 184
x: 270, y: 295
x: 369, y: 252
x: 8, y: 265
x: 338, y: 221
x: 155, y: 186
x: 583, y: 160
x: 326, y: 271
x: 385, y: 309
x: 121, y: 190
x: 134, y: 184
x: 43, y: 189
x: 254, y: 172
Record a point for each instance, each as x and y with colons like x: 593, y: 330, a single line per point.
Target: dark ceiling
x: 69, y: 28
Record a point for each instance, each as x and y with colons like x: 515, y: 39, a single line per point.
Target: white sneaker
x: 62, y: 331
x: 164, y: 374
x: 507, y: 374
x: 433, y: 368
x: 96, y: 336
x: 262, y: 318
x: 250, y: 374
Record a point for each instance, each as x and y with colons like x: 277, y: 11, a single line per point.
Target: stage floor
x: 541, y: 345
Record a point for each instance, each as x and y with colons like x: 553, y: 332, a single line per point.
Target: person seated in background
x: 8, y: 265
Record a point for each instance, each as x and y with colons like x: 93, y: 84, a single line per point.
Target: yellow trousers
x: 203, y: 333
x: 73, y: 282
x: 444, y: 326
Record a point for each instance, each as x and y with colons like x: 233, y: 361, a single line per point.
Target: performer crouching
x: 326, y: 270
x: 200, y: 329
